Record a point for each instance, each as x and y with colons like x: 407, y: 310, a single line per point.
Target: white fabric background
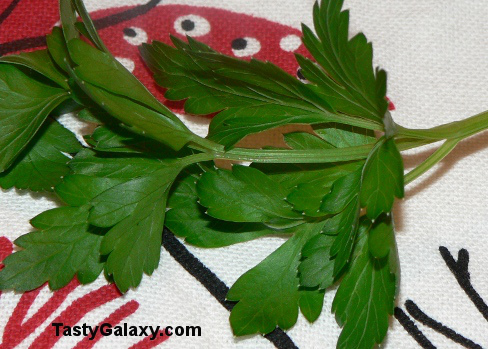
x: 436, y: 55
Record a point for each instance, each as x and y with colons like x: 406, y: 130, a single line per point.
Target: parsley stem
x: 453, y: 130
x: 411, y: 143
x: 196, y: 158
x: 296, y: 156
x: 290, y: 156
x: 432, y: 160
x: 213, y: 151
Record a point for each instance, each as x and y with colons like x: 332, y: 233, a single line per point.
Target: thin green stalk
x: 290, y: 156
x: 196, y: 158
x: 212, y: 151
x: 458, y: 129
x: 411, y: 143
x: 432, y: 160
x: 296, y: 156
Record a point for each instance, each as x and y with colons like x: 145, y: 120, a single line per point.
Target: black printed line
x: 101, y: 23
x: 460, y: 271
x: 22, y: 44
x: 213, y: 284
x: 413, y: 330
x: 10, y: 8
x: 419, y: 315
x: 111, y: 20
x: 207, y: 278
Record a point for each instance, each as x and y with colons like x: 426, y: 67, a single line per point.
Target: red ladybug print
x: 125, y: 28
x: 234, y: 34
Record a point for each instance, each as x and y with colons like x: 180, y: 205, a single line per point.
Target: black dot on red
x: 239, y: 44
x: 130, y: 32
x: 187, y: 25
x: 300, y: 74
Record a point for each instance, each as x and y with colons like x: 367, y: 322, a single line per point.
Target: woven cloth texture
x: 435, y: 53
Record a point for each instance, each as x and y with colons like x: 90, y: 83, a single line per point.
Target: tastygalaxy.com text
x: 125, y: 330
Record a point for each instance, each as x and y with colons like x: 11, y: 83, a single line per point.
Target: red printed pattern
x: 18, y: 329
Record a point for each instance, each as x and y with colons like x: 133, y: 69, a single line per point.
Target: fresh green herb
x: 64, y: 246
x: 329, y: 193
x: 366, y: 295
x: 25, y: 105
x: 269, y: 293
x: 44, y: 162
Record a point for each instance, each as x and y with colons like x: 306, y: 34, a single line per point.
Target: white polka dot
x: 127, y: 63
x: 192, y: 25
x: 290, y: 43
x: 139, y: 38
x: 253, y: 46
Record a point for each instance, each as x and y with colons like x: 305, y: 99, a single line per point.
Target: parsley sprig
x: 331, y: 192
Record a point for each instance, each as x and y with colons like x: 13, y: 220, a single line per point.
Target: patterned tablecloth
x: 436, y: 55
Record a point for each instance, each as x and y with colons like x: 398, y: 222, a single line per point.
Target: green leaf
x: 88, y: 162
x: 135, y: 210
x: 366, y: 297
x: 93, y: 174
x: 380, y: 237
x: 114, y: 89
x: 127, y: 195
x: 41, y: 62
x: 58, y: 51
x: 311, y: 303
x: 138, y: 118
x: 250, y: 96
x: 343, y: 136
x: 133, y: 245
x: 316, y: 181
x: 115, y: 139
x: 343, y: 202
x: 57, y: 48
x: 186, y: 218
x: 24, y: 106
x: 68, y: 19
x: 291, y: 175
x: 268, y: 294
x: 91, y: 116
x: 308, y: 184
x: 91, y: 31
x: 344, y: 75
x: 307, y: 198
x: 316, y: 267
x: 343, y: 191
x: 245, y: 194
x: 347, y: 227
x: 64, y: 246
x: 382, y: 178
x: 43, y: 164
x: 121, y: 201
x: 112, y: 76
x: 78, y: 190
